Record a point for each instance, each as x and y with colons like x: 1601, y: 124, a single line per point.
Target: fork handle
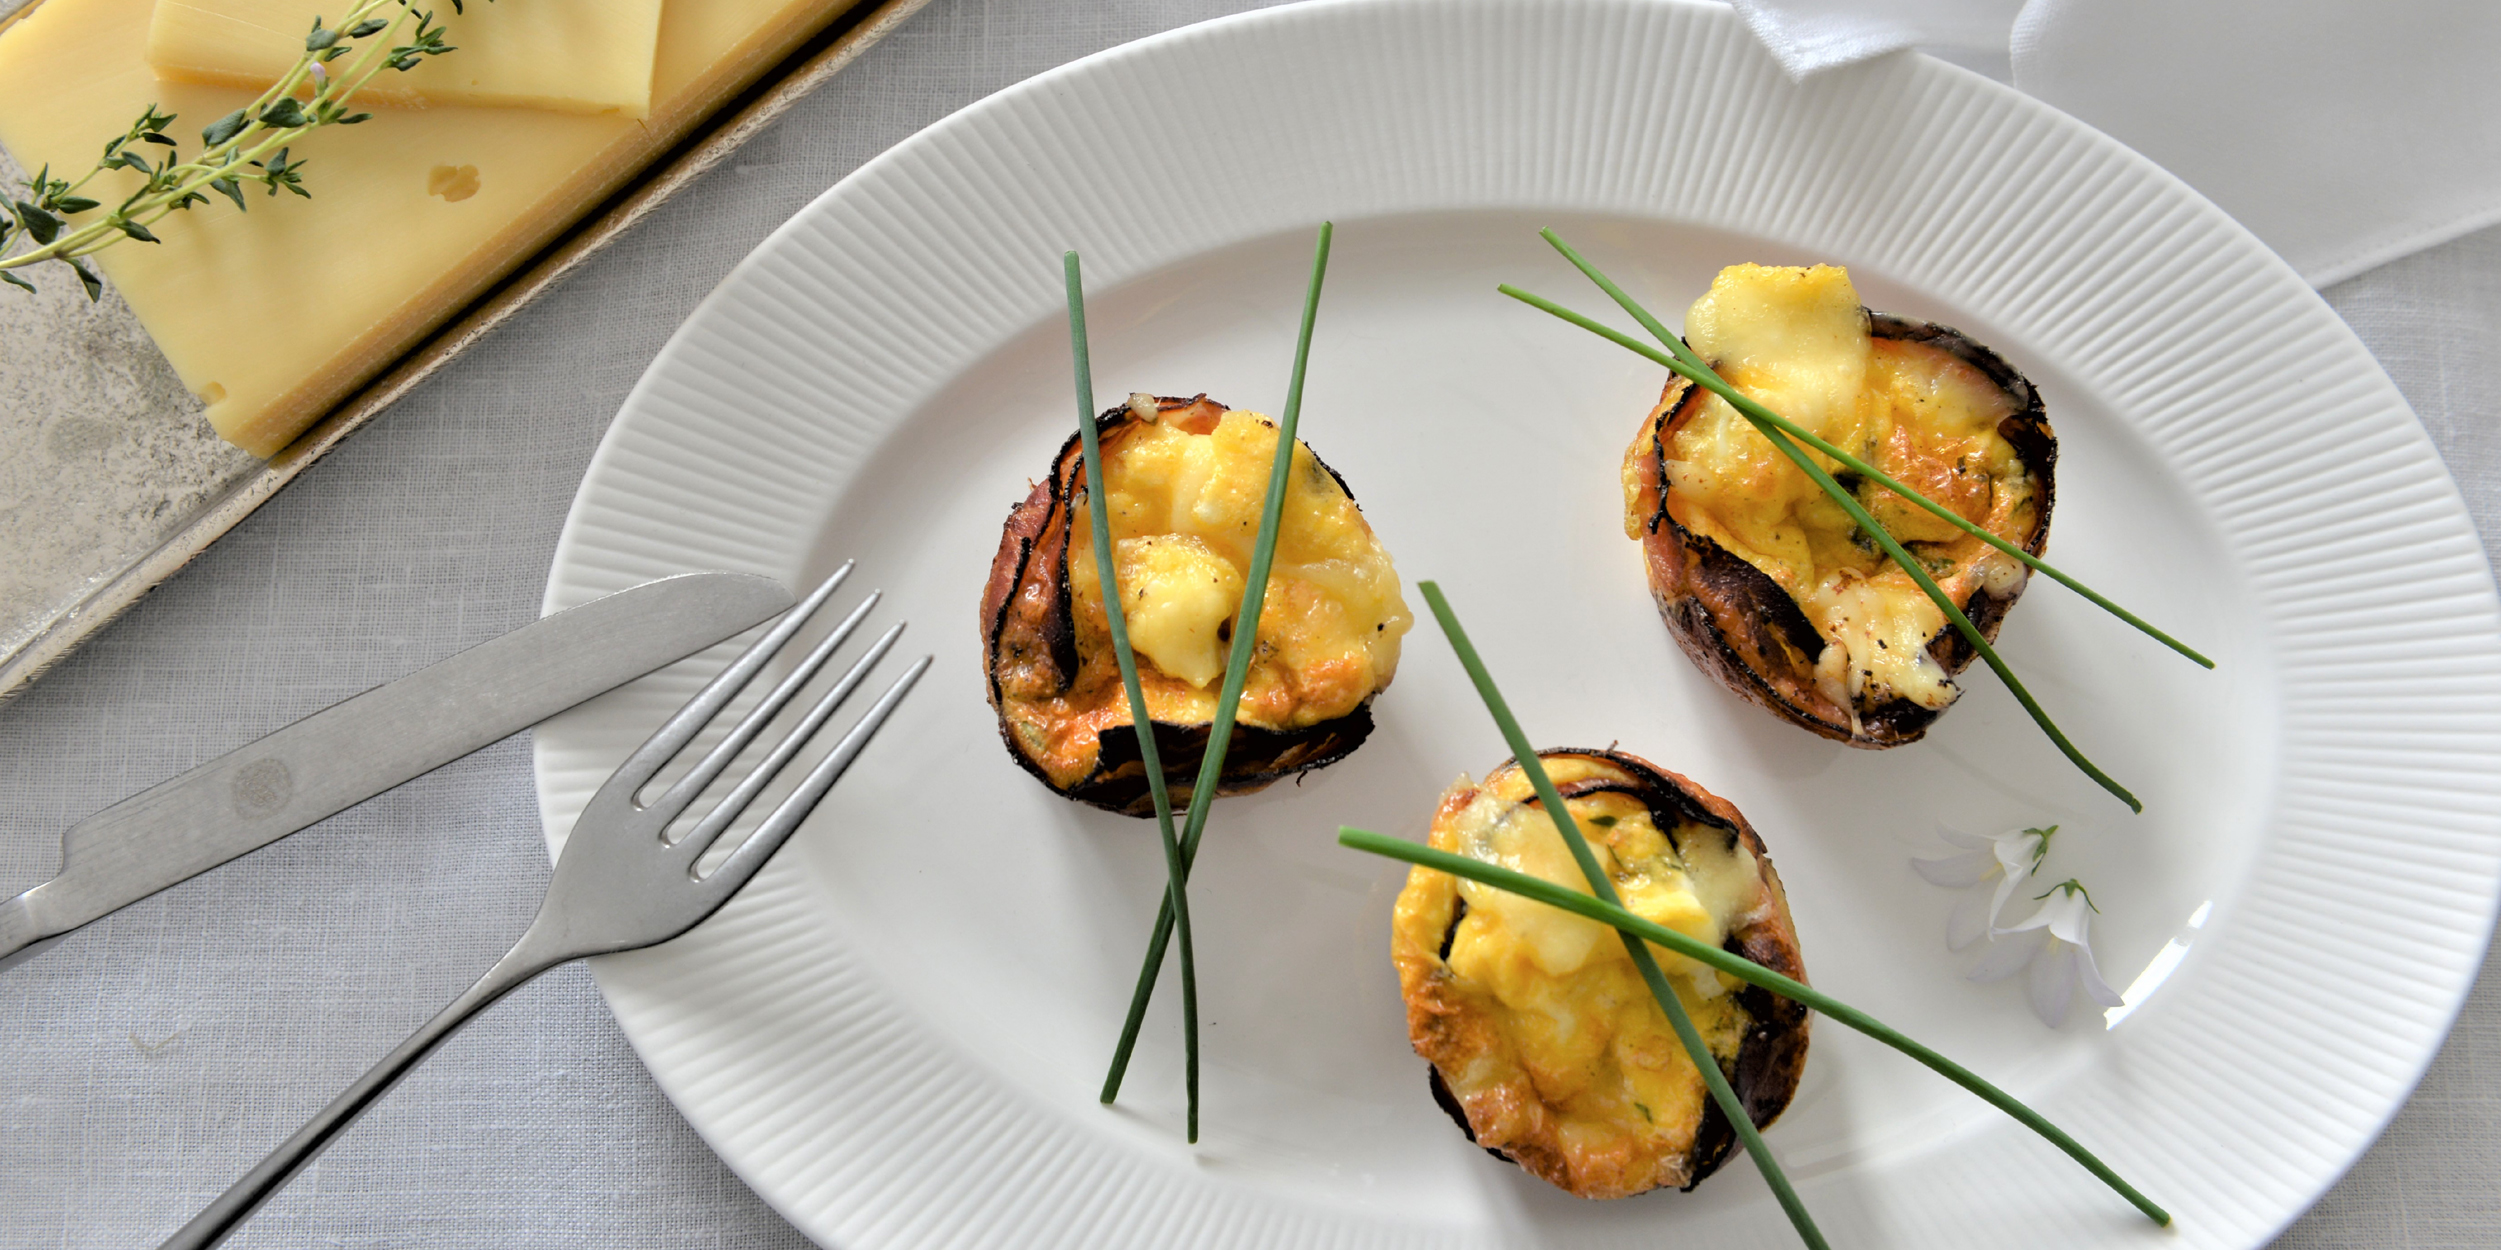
x: 528, y: 958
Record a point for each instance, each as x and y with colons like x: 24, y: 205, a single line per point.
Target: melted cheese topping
x: 1567, y: 1044
x: 1185, y: 495
x: 1797, y: 340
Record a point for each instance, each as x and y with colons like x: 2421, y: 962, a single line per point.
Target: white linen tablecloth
x: 153, y: 1057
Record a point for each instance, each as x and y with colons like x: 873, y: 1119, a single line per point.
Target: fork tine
x: 669, y: 804
x: 727, y: 810
x: 681, y: 728
x: 777, y: 828
x: 608, y: 894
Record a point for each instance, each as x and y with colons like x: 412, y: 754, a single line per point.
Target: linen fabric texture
x: 156, y: 1055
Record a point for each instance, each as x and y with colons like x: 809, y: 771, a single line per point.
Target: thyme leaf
x: 247, y: 146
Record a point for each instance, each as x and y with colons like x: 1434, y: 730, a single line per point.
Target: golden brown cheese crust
x: 1063, y: 714
x: 1509, y: 1100
x: 1742, y: 628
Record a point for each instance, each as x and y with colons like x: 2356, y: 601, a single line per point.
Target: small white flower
x: 2008, y: 858
x: 2056, y: 943
x: 321, y: 78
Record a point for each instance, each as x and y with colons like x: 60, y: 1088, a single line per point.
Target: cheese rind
x: 567, y: 56
x: 276, y: 314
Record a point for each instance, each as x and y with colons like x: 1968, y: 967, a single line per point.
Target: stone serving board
x: 103, y: 455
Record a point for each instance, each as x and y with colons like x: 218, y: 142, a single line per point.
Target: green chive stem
x: 1779, y: 439
x: 1107, y: 572
x: 1236, y: 670
x: 1757, y: 413
x: 1953, y: 612
x: 1604, y: 887
x: 1752, y: 973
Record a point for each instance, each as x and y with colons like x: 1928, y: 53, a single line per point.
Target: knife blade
x: 357, y: 748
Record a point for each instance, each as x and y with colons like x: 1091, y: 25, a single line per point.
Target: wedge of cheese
x: 569, y: 56
x: 274, y: 315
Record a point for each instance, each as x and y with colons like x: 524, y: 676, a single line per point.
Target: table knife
x: 358, y: 748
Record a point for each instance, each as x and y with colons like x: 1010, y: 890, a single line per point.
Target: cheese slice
x: 274, y: 315
x: 570, y: 56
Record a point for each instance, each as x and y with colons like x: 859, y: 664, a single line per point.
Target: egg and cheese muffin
x: 1186, y: 480
x: 1763, y: 579
x: 1545, y: 1043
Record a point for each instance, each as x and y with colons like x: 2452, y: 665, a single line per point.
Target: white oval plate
x: 896, y: 1033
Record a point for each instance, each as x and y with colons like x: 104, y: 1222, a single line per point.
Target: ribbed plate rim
x: 655, y: 1001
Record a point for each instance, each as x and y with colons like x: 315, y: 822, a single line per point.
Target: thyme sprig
x: 1116, y: 619
x: 1236, y: 669
x: 1603, y: 887
x: 246, y: 148
x: 1679, y: 359
x: 1751, y: 973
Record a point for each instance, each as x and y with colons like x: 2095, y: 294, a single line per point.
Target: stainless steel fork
x: 620, y: 884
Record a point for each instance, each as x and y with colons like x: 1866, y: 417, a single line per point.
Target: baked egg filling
x: 1185, y: 487
x: 1553, y: 1041
x: 1798, y: 340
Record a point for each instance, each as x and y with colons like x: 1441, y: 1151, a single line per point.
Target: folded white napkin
x: 1814, y: 35
x: 2344, y: 133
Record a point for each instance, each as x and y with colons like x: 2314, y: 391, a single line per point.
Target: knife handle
x: 361, y: 746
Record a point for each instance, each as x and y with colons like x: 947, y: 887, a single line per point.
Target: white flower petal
x: 2071, y: 917
x: 1956, y: 871
x: 1967, y: 841
x: 2053, y: 983
x: 2004, y: 894
x: 2016, y: 851
x: 2006, y: 957
x: 2017, y: 860
x: 2039, y: 919
x: 1969, y: 923
x: 2094, y: 987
